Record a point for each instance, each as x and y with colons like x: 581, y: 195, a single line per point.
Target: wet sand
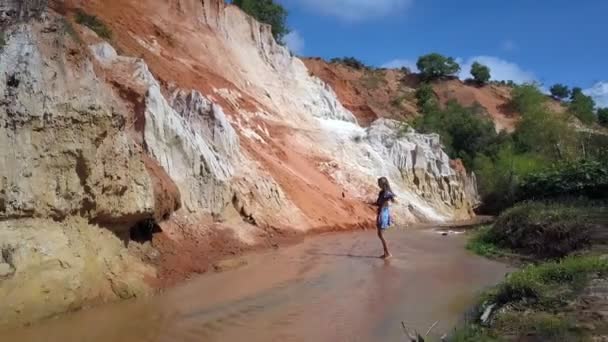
x: 329, y: 288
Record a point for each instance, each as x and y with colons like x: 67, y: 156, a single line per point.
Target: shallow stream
x: 331, y: 287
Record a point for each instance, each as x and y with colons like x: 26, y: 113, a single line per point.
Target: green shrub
x: 94, y: 24
x: 587, y: 178
x: 434, y: 65
x: 593, y: 145
x: 559, y: 91
x: 540, y: 130
x: 602, y: 116
x: 543, y: 230
x: 480, y: 73
x: 267, y: 12
x: 575, y: 92
x: 350, y: 62
x: 582, y: 106
x: 527, y: 98
x: 500, y: 170
x: 426, y: 98
x: 464, y: 130
x: 2, y: 40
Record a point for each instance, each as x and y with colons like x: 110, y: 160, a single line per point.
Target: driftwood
x: 487, y: 313
x: 414, y: 336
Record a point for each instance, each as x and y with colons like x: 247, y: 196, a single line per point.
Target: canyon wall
x: 130, y: 161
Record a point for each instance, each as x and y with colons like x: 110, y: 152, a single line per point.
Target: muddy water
x: 328, y: 288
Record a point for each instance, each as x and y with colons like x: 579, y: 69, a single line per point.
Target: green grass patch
x: 547, y: 284
x: 94, y: 24
x: 473, y: 333
x: 481, y: 243
x: 531, y: 302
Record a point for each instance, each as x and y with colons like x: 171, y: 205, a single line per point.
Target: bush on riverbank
x: 545, y: 230
x: 529, y: 302
x: 536, y: 302
x: 541, y: 283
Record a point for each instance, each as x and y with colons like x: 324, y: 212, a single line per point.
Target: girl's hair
x: 383, y: 182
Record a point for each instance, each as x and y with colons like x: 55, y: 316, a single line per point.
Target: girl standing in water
x: 383, y: 218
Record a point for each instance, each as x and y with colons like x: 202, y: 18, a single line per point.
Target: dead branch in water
x: 414, y: 336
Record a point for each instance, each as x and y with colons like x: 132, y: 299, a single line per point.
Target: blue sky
x: 548, y: 41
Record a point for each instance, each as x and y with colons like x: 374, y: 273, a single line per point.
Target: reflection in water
x: 329, y: 288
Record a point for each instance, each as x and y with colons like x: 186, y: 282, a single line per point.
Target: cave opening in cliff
x: 144, y: 230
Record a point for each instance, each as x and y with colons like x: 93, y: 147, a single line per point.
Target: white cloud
x: 508, y: 45
x: 294, y: 41
x: 500, y: 69
x: 599, y: 92
x: 356, y: 10
x: 398, y: 63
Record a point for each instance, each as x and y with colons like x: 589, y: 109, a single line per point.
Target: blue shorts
x: 383, y: 221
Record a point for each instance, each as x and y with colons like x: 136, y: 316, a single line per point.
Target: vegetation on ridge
x: 544, y: 136
x: 582, y: 106
x: 435, y: 66
x: 504, y: 161
x: 267, y: 12
x: 480, y: 73
x: 350, y: 62
x: 94, y: 24
x: 464, y: 131
x: 559, y: 91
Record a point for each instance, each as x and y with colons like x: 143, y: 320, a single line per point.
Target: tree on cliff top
x: 480, y: 73
x: 434, y: 65
x: 582, y: 106
x: 267, y: 12
x: 559, y: 91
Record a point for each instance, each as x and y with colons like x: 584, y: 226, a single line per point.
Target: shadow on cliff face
x: 143, y: 231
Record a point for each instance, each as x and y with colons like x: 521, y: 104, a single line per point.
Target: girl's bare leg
x: 387, y: 254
